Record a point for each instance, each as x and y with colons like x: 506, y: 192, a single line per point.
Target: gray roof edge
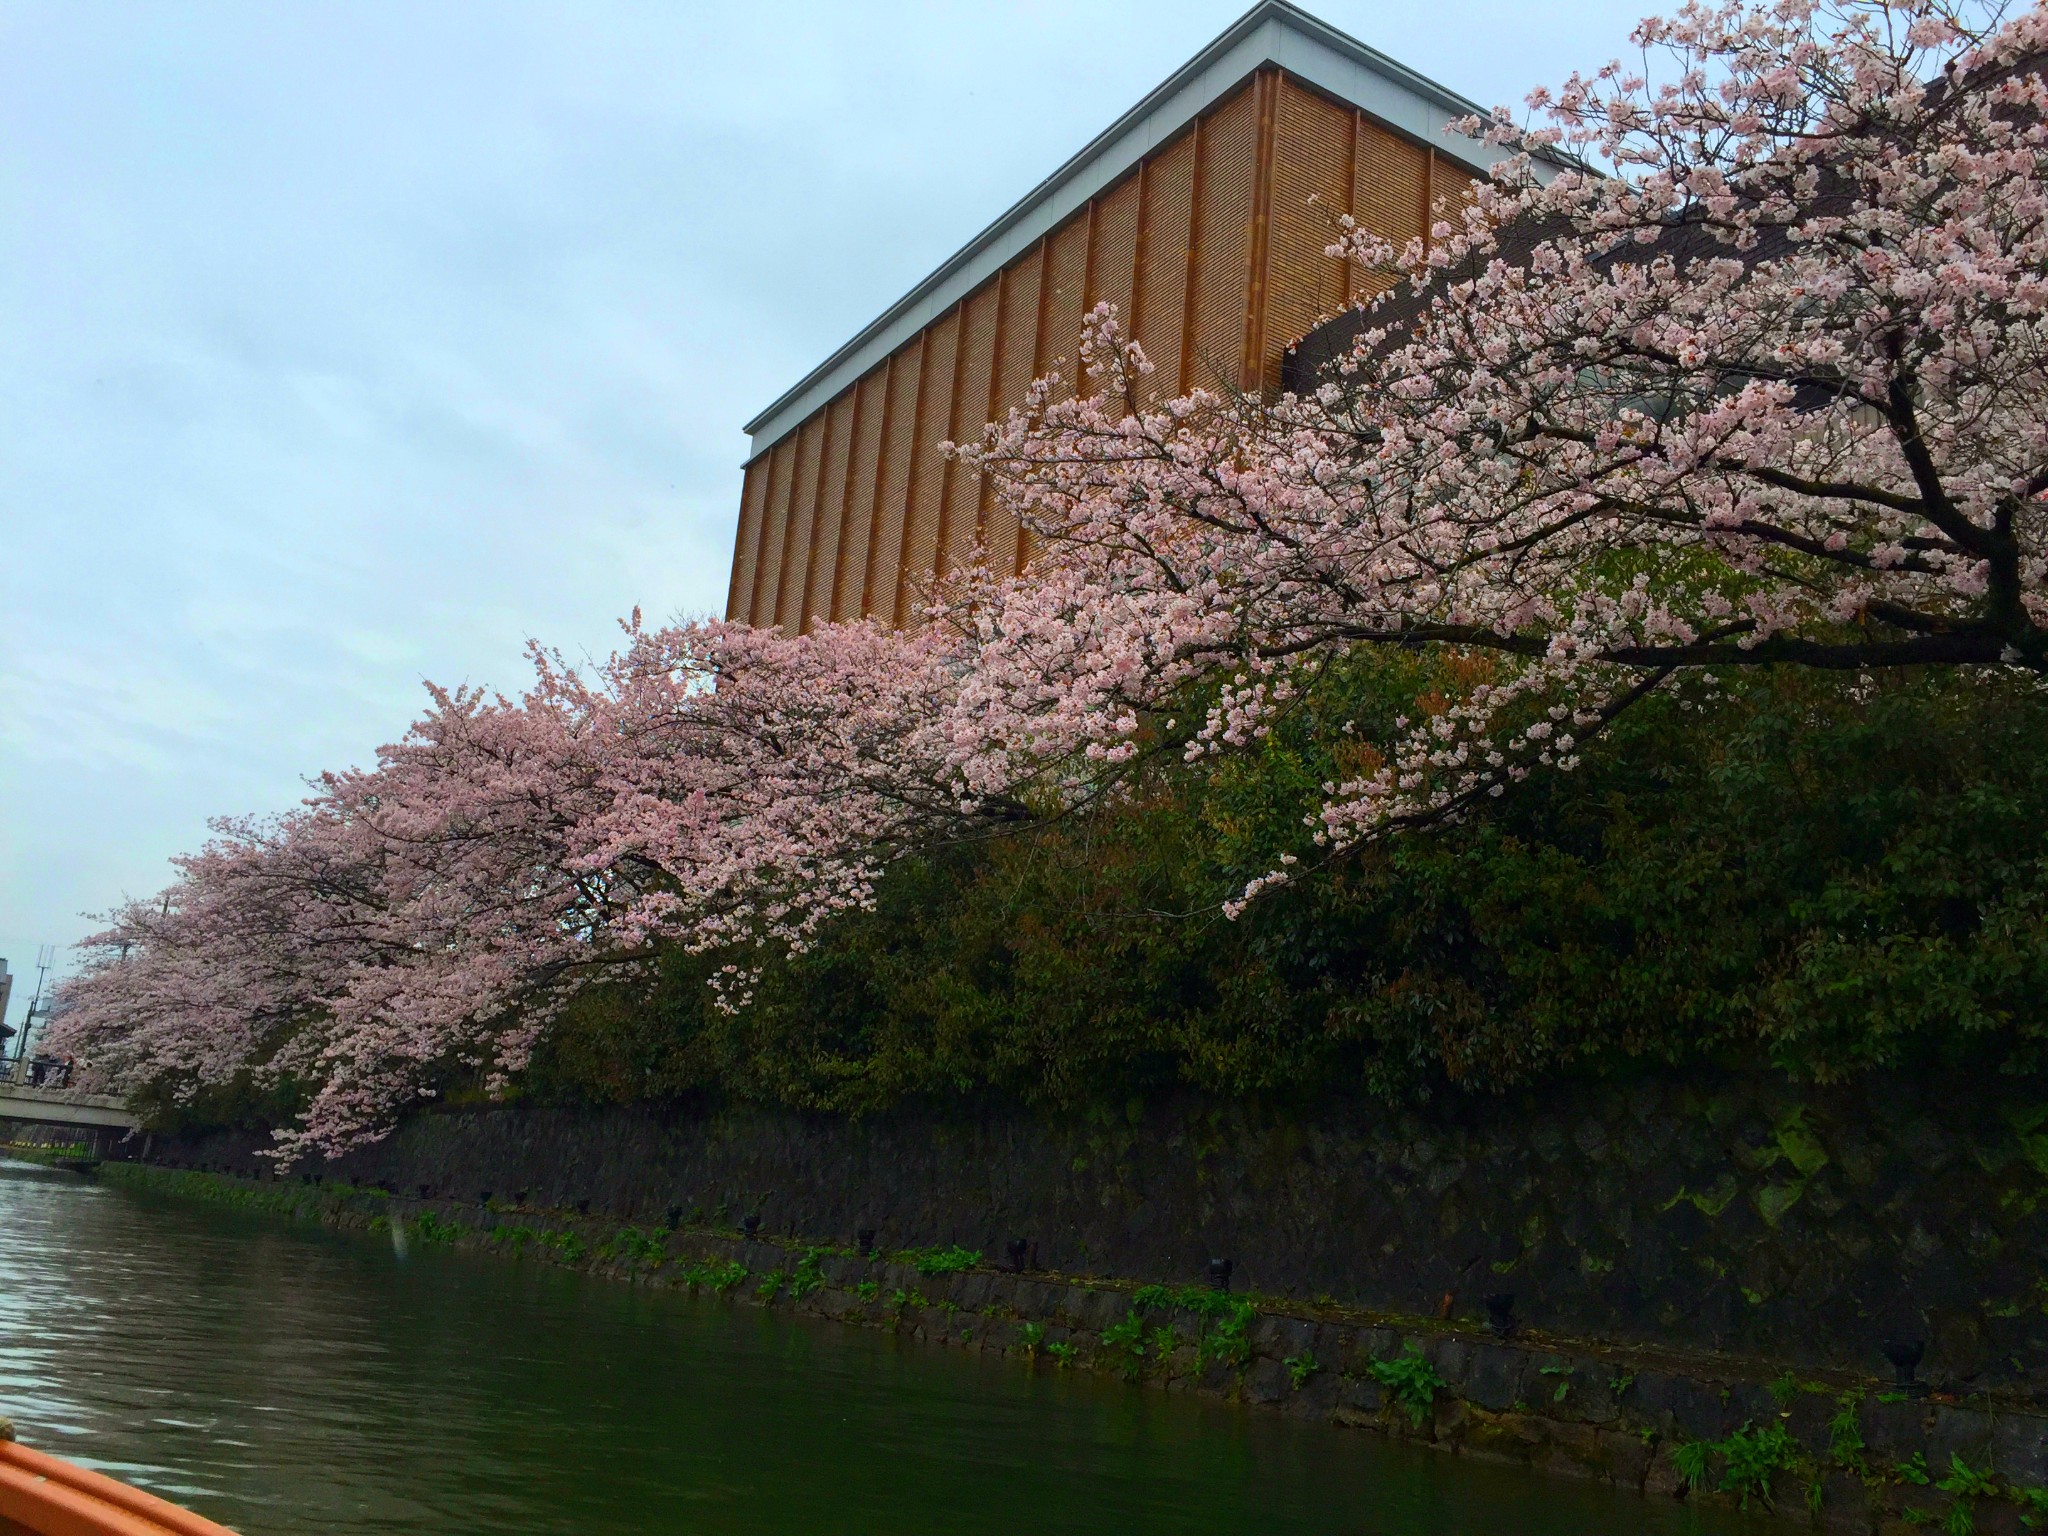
x: 1271, y: 32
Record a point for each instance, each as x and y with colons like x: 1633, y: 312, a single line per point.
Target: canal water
x: 286, y: 1379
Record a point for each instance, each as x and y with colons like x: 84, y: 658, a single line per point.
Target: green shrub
x: 808, y: 1275
x: 1411, y: 1383
x: 1124, y: 1342
x: 633, y: 1244
x: 931, y: 1262
x: 1754, y: 1456
x: 721, y: 1278
x: 569, y: 1245
x: 430, y: 1228
x: 1845, y: 1435
x: 1691, y: 1460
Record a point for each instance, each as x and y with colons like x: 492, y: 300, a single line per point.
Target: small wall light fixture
x: 1500, y: 1314
x: 1905, y: 1356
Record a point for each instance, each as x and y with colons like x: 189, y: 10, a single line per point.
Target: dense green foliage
x: 1820, y: 873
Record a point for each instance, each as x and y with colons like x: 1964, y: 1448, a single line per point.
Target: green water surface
x: 282, y: 1378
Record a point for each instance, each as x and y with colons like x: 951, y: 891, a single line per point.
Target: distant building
x: 1203, y: 214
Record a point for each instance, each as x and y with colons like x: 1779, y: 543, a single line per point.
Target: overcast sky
x: 347, y: 345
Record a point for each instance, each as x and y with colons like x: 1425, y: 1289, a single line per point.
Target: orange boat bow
x: 50, y: 1497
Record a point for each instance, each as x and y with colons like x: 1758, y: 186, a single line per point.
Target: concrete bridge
x: 19, y: 1101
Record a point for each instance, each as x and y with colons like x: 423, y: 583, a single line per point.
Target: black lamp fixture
x: 1219, y: 1274
x: 864, y: 1239
x: 1500, y: 1314
x: 1905, y: 1356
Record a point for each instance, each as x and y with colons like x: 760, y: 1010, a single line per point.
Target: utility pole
x: 46, y: 956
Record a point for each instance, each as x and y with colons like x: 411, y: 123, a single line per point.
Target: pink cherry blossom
x: 1737, y: 362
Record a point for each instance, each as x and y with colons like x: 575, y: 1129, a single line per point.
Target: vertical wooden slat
x: 927, y: 469
x: 1184, y: 379
x: 796, y: 548
x: 1451, y: 191
x: 1311, y: 187
x: 864, y: 604
x: 1042, y: 293
x: 768, y: 571
x: 1161, y: 289
x: 1428, y: 198
x: 1223, y: 238
x: 1083, y: 384
x: 991, y: 401
x: 828, y: 518
x: 805, y: 575
x: 1253, y: 371
x: 1017, y: 363
x: 1390, y: 194
x: 746, y: 543
x: 1113, y: 270
x: 1066, y: 302
x: 1351, y: 269
x: 1134, y: 316
x: 857, y: 516
x: 905, y: 407
x: 965, y: 345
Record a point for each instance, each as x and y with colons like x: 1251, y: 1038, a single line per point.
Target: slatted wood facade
x: 1213, y: 250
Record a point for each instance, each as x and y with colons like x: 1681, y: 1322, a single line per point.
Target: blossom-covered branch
x: 1772, y: 392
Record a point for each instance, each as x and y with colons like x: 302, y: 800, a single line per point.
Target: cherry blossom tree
x: 1736, y: 363
x: 709, y: 784
x: 1768, y: 392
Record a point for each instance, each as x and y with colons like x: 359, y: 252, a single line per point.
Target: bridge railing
x: 35, y: 1072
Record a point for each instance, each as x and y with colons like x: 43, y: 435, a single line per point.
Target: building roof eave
x: 1272, y: 32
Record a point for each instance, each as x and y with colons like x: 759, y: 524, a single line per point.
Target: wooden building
x: 1203, y: 214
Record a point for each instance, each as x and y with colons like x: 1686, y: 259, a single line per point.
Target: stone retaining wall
x: 1739, y: 1216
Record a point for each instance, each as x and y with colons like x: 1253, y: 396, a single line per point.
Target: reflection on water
x: 285, y: 1379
